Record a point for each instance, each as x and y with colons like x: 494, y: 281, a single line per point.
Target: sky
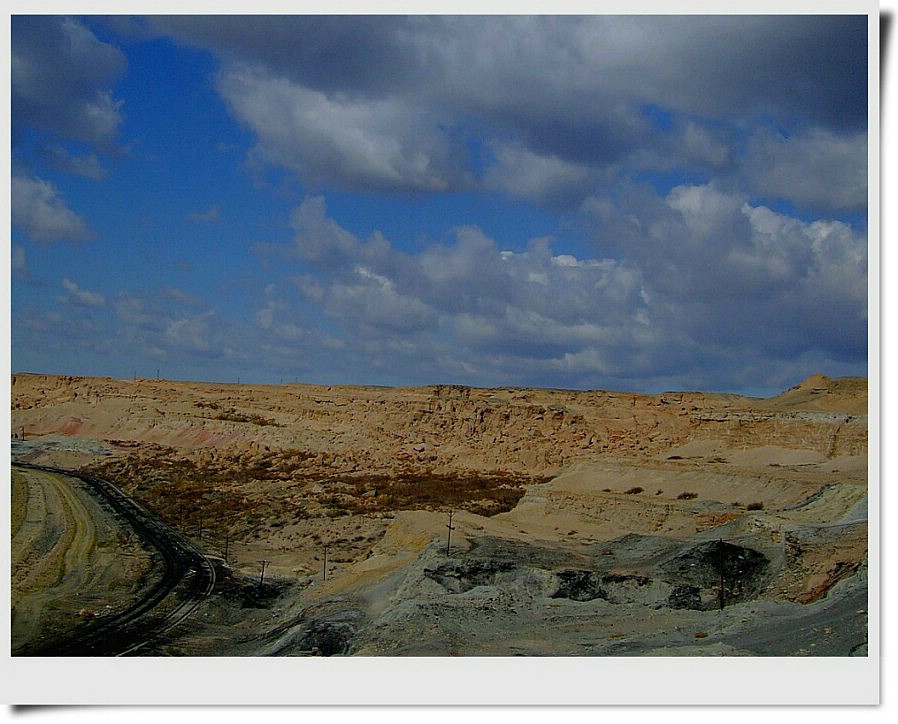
x: 640, y: 203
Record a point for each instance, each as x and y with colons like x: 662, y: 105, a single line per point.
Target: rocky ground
x: 583, y: 523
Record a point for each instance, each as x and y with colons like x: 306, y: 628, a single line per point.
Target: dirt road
x: 94, y: 573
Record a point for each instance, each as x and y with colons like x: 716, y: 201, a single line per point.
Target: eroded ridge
x: 449, y: 520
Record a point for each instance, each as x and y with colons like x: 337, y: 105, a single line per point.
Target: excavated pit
x: 709, y: 575
x: 716, y: 574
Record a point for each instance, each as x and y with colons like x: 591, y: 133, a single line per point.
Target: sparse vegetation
x: 480, y: 493
x: 755, y: 506
x: 223, y: 494
x: 253, y: 419
x: 687, y: 496
x: 635, y: 490
x: 233, y: 415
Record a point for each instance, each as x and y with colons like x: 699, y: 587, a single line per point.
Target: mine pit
x: 443, y: 520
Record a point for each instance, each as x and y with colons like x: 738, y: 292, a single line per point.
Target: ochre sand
x: 613, y: 486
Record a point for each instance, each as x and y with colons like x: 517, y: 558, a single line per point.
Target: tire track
x: 187, y: 577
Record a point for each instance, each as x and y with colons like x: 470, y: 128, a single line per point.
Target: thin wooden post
x: 262, y: 577
x: 324, y: 570
x: 720, y: 561
x: 449, y: 536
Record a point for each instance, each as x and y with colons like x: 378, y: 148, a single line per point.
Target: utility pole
x: 324, y: 570
x: 449, y: 537
x: 720, y: 562
x: 262, y: 577
x: 226, y: 549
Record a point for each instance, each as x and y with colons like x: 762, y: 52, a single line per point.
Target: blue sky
x: 643, y: 203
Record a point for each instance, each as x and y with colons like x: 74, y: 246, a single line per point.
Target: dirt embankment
x: 444, y: 428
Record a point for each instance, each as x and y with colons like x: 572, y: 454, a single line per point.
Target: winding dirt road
x: 93, y: 572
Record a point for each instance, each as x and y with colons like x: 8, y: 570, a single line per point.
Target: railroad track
x: 186, y: 578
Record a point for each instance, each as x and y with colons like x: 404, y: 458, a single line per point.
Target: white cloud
x: 180, y: 296
x: 699, y: 145
x: 470, y: 300
x: 816, y: 167
x: 390, y: 103
x: 137, y: 312
x: 706, y: 282
x: 61, y: 79
x: 372, y: 301
x: 192, y: 334
x: 83, y: 297
x: 543, y: 178
x: 40, y: 211
x: 707, y: 211
x: 319, y: 239
x: 19, y: 263
x: 356, y: 142
x: 274, y: 318
x: 61, y: 159
x: 718, y: 273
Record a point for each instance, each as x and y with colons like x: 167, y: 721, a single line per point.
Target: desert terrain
x: 436, y: 521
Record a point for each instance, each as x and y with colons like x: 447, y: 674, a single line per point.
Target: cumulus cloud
x: 62, y: 77
x: 390, y: 103
x: 40, y: 211
x: 707, y: 289
x: 318, y: 238
x: 746, y: 278
x: 137, y: 312
x: 653, y: 133
x: 355, y: 143
x: 176, y: 327
x: 470, y: 300
x: 180, y: 296
x: 815, y: 167
x: 192, y: 334
x: 83, y: 297
x: 372, y: 301
x: 749, y: 65
x: 19, y: 262
x: 275, y: 318
x: 545, y: 179
x: 61, y: 159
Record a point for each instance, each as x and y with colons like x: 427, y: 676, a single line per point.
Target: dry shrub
x: 480, y: 493
x: 231, y: 494
x: 755, y: 506
x: 186, y: 493
x: 687, y: 496
x: 634, y: 491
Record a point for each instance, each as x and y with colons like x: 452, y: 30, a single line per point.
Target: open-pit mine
x: 160, y: 518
